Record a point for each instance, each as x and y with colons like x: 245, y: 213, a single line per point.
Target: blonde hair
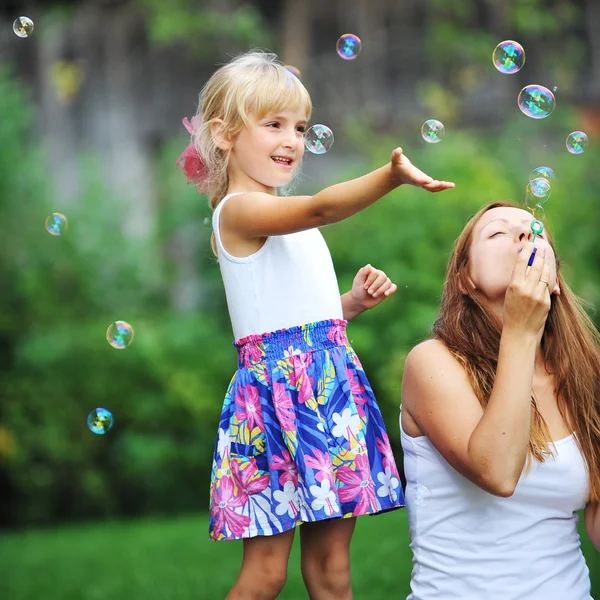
x: 254, y: 83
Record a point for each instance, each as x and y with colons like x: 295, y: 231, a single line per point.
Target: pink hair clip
x: 190, y: 161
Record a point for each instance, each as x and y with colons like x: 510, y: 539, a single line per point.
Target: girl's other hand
x: 371, y: 286
x: 406, y: 172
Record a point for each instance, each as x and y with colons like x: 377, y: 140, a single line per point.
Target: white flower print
x: 346, y: 424
x: 324, y: 498
x: 224, y: 441
x: 288, y: 500
x: 291, y: 352
x: 389, y: 485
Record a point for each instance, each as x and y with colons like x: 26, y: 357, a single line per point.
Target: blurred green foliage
x: 205, y: 29
x: 59, y: 294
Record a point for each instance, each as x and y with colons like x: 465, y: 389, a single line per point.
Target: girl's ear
x: 222, y: 140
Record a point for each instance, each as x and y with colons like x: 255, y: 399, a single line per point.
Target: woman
x: 500, y: 424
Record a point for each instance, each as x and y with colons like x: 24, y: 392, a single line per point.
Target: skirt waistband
x: 285, y: 343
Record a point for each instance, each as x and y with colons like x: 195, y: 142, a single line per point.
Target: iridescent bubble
x: 23, y: 27
x: 293, y: 70
x: 536, y: 101
x: 545, y: 172
x: 56, y: 224
x: 508, y: 57
x: 540, y: 188
x: 577, y: 142
x: 348, y: 46
x: 119, y: 334
x: 422, y: 495
x: 319, y: 139
x: 432, y: 131
x: 100, y: 420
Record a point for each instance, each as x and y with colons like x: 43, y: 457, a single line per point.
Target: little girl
x: 301, y: 438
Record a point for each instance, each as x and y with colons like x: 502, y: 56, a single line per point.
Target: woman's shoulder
x: 433, y: 360
x: 431, y: 348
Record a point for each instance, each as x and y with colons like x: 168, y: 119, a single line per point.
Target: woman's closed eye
x: 498, y: 233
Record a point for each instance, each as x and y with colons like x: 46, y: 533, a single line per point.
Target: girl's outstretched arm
x: 258, y: 214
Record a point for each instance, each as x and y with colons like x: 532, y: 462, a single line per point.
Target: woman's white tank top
x: 471, y: 545
x: 289, y: 281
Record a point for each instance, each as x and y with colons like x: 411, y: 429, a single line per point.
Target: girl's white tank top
x: 471, y: 545
x: 289, y: 281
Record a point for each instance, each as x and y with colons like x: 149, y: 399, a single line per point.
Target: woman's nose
x: 524, y: 233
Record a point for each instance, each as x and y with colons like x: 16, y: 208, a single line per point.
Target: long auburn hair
x: 571, y: 347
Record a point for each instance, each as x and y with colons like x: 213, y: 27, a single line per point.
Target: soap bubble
x: 540, y: 188
x: 56, y: 224
x: 23, y: 27
x: 100, y: 420
x: 536, y: 101
x: 545, y: 172
x: 119, y: 334
x: 348, y: 46
x: 508, y: 57
x: 432, y: 131
x: 319, y: 139
x: 577, y: 142
x: 422, y: 495
x: 293, y: 70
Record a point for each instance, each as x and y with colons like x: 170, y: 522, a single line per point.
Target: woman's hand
x: 527, y: 299
x: 406, y: 172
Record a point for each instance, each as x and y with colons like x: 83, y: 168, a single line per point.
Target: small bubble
x: 56, y: 224
x: 422, y: 495
x: 293, y: 70
x: 319, y: 139
x: 23, y: 27
x: 348, y: 46
x: 119, y: 334
x: 432, y: 131
x: 100, y: 421
x: 577, y: 142
x: 545, y: 172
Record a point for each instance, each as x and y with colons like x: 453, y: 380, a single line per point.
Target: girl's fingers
x: 391, y: 289
x: 374, y: 287
x: 383, y: 287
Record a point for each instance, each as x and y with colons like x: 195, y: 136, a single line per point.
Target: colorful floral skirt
x: 301, y: 437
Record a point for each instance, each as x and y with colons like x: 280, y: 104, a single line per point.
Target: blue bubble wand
x: 537, y: 228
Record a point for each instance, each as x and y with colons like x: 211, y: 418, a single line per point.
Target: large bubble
x: 536, y: 101
x: 508, y: 57
x: 56, y: 224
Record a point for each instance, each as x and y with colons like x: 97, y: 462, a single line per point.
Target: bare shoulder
x: 436, y: 390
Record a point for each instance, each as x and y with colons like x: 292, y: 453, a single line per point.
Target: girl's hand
x: 527, y: 299
x: 371, y: 286
x: 406, y: 172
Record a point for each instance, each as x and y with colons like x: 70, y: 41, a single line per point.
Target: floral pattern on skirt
x: 301, y: 437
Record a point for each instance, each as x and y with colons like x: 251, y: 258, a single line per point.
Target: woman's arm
x: 592, y: 523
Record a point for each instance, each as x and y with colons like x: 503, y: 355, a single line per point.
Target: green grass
x: 172, y: 559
